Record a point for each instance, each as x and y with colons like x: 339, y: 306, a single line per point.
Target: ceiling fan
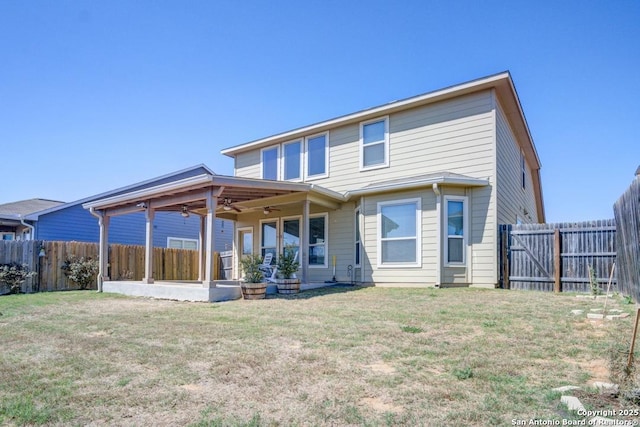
x: 268, y: 209
x: 227, y: 206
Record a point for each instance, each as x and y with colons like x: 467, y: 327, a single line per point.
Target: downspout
x: 436, y: 190
x: 101, y: 264
x: 32, y: 233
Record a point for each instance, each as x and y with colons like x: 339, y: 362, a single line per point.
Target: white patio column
x: 202, y: 238
x: 103, y: 251
x: 212, y: 203
x: 304, y: 242
x: 148, y: 254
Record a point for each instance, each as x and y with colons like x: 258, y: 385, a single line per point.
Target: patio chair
x: 267, y: 269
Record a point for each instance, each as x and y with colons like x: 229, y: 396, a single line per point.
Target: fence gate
x: 557, y: 257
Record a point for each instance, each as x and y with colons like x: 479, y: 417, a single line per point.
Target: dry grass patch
x: 342, y: 356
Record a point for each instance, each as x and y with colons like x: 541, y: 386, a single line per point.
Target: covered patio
x: 209, y: 197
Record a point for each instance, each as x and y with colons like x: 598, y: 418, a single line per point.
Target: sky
x: 100, y: 94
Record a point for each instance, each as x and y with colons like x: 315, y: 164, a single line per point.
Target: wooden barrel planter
x: 254, y: 290
x: 288, y: 286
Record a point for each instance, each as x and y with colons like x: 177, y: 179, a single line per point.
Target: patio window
x: 291, y: 235
x: 374, y: 144
x: 270, y: 163
x: 317, y: 156
x: 292, y: 160
x: 180, y: 243
x: 399, y: 233
x: 269, y: 239
x: 318, y: 240
x: 456, y: 216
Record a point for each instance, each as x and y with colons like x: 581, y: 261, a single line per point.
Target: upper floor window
x: 317, y: 156
x: 374, y: 143
x: 270, y: 162
x: 292, y: 160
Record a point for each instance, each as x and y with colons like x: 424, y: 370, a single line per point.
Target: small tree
x: 14, y: 275
x: 287, y: 263
x: 81, y: 270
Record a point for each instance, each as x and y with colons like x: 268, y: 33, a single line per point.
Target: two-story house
x: 425, y: 180
x: 409, y: 193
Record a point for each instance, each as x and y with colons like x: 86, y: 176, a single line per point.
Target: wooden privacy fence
x: 627, y: 214
x: 556, y: 257
x: 126, y: 262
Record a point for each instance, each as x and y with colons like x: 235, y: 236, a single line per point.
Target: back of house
x: 424, y: 182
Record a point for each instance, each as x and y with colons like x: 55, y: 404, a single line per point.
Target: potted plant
x: 253, y: 285
x: 287, y: 266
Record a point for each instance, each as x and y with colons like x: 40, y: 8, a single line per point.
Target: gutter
x: 420, y: 183
x: 31, y: 227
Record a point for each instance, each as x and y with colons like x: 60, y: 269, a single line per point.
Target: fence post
x: 504, y: 257
x: 557, y: 261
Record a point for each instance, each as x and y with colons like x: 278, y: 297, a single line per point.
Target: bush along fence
x: 50, y: 263
x: 561, y: 257
x: 627, y: 214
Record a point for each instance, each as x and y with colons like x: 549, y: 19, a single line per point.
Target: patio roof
x: 235, y: 196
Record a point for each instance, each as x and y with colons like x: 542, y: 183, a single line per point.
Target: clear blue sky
x: 96, y: 95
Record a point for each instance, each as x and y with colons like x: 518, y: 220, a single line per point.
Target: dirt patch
x: 382, y: 368
x: 379, y: 405
x: 597, y: 368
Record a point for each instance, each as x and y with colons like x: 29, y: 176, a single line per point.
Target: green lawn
x: 343, y: 356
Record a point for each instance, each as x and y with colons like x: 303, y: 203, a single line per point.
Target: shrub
x: 14, y: 275
x: 287, y: 264
x: 251, y: 267
x: 81, y: 270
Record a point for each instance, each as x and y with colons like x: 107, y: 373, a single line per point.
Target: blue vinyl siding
x: 77, y: 224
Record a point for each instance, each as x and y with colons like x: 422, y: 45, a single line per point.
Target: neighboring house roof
x: 25, y: 207
x: 12, y: 213
x: 143, y: 184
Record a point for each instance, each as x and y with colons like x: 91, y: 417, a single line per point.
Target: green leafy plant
x: 593, y: 282
x: 81, y: 270
x: 251, y: 268
x: 287, y: 264
x: 411, y: 329
x: 463, y: 373
x: 14, y: 275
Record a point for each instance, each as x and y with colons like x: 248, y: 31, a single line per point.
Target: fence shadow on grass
x: 337, y: 288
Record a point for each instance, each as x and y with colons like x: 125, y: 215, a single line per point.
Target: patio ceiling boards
x: 250, y: 193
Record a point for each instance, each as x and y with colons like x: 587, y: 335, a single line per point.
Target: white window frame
x: 283, y: 162
x: 418, y: 204
x: 260, y: 247
x: 281, y: 236
x: 262, y: 151
x: 8, y: 233
x: 357, y: 219
x: 182, y: 240
x: 325, y: 215
x: 385, y: 141
x: 465, y: 229
x: 326, y: 156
